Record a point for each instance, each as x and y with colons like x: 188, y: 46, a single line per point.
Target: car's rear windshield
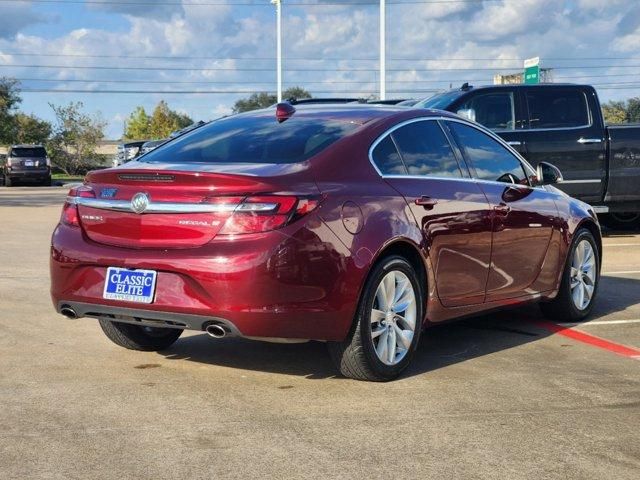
x: 28, y: 152
x: 244, y: 139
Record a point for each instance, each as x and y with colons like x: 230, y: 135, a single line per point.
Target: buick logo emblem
x: 139, y: 202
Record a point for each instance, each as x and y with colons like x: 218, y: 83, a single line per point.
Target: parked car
x: 561, y: 124
x: 151, y: 145
x: 357, y: 225
x: 127, y: 152
x: 26, y: 163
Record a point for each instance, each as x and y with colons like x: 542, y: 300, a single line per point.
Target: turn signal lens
x: 267, y: 212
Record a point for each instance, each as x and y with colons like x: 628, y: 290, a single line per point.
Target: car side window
x: 425, y: 150
x: 488, y: 157
x: 387, y: 158
x: 552, y: 108
x: 495, y: 111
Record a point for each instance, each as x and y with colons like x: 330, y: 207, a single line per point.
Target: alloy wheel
x: 393, y: 317
x: 583, y: 275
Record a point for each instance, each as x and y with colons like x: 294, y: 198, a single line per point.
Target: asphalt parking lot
x: 505, y: 396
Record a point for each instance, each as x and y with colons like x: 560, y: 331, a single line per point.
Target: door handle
x: 427, y: 202
x: 502, y: 209
x: 588, y: 141
x: 515, y: 143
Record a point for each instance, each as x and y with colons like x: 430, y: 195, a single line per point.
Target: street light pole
x: 278, y: 5
x: 383, y: 47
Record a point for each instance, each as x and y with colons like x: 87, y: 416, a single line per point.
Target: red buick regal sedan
x: 358, y: 225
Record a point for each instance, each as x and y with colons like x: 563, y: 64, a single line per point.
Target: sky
x: 178, y: 50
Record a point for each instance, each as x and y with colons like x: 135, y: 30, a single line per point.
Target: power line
x: 247, y: 3
x: 313, y: 82
x: 246, y: 69
x: 307, y: 59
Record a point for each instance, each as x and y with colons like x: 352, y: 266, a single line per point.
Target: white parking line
x: 601, y: 322
x: 621, y: 244
x: 622, y: 272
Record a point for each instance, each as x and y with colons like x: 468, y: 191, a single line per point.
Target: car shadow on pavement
x: 440, y: 347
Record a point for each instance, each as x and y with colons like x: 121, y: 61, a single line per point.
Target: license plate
x: 130, y: 285
x: 28, y: 163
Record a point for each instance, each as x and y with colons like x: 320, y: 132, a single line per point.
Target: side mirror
x: 548, y: 174
x: 468, y: 113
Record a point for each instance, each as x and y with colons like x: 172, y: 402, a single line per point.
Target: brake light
x: 267, y: 212
x: 70, y: 209
x: 9, y: 162
x: 48, y: 161
x: 70, y: 215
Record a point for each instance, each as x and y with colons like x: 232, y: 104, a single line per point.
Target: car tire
x: 377, y: 327
x: 137, y: 337
x: 567, y: 306
x: 621, y: 220
x: 46, y: 182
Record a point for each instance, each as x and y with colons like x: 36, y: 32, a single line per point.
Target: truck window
x: 490, y: 159
x: 495, y: 111
x: 553, y: 108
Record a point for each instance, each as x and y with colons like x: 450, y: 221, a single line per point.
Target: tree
x: 614, y: 112
x: 264, y: 99
x: 622, y: 111
x: 9, y: 101
x: 159, y: 125
x: 30, y: 129
x: 138, y: 126
x: 633, y: 110
x: 75, y: 137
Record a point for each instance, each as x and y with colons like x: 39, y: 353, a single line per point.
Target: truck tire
x: 621, y: 220
x: 8, y: 182
x: 387, y: 326
x: 579, y: 284
x: 136, y: 337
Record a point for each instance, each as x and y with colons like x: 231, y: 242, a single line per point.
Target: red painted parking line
x: 579, y: 336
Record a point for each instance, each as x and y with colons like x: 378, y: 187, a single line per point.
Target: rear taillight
x: 48, y: 161
x: 267, y: 212
x: 9, y: 160
x: 70, y: 209
x: 70, y: 214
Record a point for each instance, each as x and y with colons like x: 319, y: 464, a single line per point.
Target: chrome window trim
x: 587, y: 180
x: 155, y: 207
x: 478, y: 127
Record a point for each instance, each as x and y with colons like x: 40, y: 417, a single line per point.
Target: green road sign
x: 532, y: 70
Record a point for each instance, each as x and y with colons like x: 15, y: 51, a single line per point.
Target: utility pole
x: 383, y: 48
x: 278, y: 4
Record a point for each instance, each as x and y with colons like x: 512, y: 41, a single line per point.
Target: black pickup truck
x: 561, y: 124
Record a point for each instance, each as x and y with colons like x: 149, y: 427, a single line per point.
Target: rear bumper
x: 147, y: 318
x: 298, y: 282
x: 28, y: 174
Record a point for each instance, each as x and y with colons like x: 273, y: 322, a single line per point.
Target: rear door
x: 565, y: 129
x: 523, y: 216
x: 417, y: 159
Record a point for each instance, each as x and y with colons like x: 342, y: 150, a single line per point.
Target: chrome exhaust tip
x: 216, y: 331
x: 69, y: 312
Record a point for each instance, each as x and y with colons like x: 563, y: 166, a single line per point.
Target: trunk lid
x: 151, y: 206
